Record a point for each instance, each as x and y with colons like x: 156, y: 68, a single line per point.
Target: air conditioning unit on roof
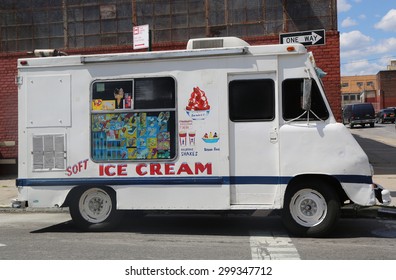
x: 217, y: 42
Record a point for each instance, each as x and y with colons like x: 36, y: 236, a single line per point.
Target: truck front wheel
x: 94, y: 209
x: 310, y: 209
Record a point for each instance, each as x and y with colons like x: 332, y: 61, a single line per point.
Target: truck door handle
x: 274, y: 136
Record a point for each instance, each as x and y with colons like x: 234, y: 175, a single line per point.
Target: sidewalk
x: 387, y: 181
x: 8, y: 190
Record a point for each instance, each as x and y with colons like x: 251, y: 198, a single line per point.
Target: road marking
x: 266, y: 245
x: 2, y: 245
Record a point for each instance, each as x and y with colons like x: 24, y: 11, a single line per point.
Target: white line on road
x: 2, y: 245
x: 266, y: 245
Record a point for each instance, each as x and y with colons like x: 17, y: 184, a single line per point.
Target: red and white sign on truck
x: 220, y: 126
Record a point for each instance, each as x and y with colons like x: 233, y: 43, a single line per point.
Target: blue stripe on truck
x: 198, y: 180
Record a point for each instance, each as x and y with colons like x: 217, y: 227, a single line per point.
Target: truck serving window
x: 133, y: 119
x: 252, y: 100
x: 292, y: 96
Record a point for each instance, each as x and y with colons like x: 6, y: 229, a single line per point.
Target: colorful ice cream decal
x: 198, y: 106
x: 131, y: 136
x: 210, y: 138
x: 187, y: 138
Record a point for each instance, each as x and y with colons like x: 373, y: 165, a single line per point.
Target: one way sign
x: 308, y: 38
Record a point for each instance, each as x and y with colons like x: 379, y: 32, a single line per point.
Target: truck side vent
x: 49, y: 152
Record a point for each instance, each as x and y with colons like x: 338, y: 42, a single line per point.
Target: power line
x: 363, y: 60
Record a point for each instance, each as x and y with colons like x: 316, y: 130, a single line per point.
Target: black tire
x: 311, y: 209
x: 94, y: 209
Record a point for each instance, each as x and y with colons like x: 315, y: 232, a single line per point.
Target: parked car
x: 358, y: 114
x: 385, y: 115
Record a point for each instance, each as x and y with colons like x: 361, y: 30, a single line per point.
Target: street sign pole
x: 150, y: 40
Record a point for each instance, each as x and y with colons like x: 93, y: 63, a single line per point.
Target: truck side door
x: 254, y: 145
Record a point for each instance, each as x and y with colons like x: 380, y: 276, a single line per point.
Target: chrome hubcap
x: 95, y: 205
x: 308, y: 207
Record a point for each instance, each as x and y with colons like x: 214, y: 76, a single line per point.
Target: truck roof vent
x: 220, y: 42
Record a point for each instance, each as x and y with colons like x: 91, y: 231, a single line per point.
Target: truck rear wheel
x: 310, y: 209
x: 94, y: 209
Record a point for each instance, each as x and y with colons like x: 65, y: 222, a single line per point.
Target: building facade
x: 358, y: 89
x: 105, y: 26
x: 392, y: 65
x: 386, y: 94
x: 379, y: 89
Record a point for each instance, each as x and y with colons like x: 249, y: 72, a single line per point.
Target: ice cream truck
x: 221, y: 126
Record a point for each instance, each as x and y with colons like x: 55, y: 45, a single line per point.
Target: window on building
x: 345, y: 97
x: 370, y: 83
x: 345, y: 84
x: 32, y: 24
x: 133, y: 119
x: 252, y: 100
x: 292, y: 95
x: 352, y: 97
x: 359, y: 84
x: 41, y: 24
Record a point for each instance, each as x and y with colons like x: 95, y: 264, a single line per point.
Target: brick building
x: 379, y: 89
x: 357, y: 89
x: 97, y: 26
x: 386, y: 96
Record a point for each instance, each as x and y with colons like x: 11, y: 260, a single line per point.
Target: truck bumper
x: 363, y: 121
x: 16, y: 203
x: 382, y: 195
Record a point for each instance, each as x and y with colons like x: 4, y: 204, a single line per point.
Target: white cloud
x: 388, y: 22
x: 362, y: 16
x: 348, y: 22
x: 363, y: 67
x: 343, y: 6
x: 384, y: 46
x: 362, y: 55
x: 354, y: 40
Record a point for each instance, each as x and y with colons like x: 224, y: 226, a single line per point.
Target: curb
x: 10, y: 209
x: 350, y: 211
x: 356, y: 211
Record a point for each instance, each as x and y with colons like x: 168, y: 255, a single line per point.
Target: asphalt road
x: 379, y: 143
x: 43, y: 236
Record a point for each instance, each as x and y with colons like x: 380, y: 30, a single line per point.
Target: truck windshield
x: 292, y: 95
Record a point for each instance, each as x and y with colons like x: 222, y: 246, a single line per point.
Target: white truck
x: 220, y: 126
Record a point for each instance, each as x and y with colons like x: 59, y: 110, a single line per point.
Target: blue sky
x: 367, y: 35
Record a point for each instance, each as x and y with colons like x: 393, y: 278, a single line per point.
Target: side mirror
x: 306, y: 101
